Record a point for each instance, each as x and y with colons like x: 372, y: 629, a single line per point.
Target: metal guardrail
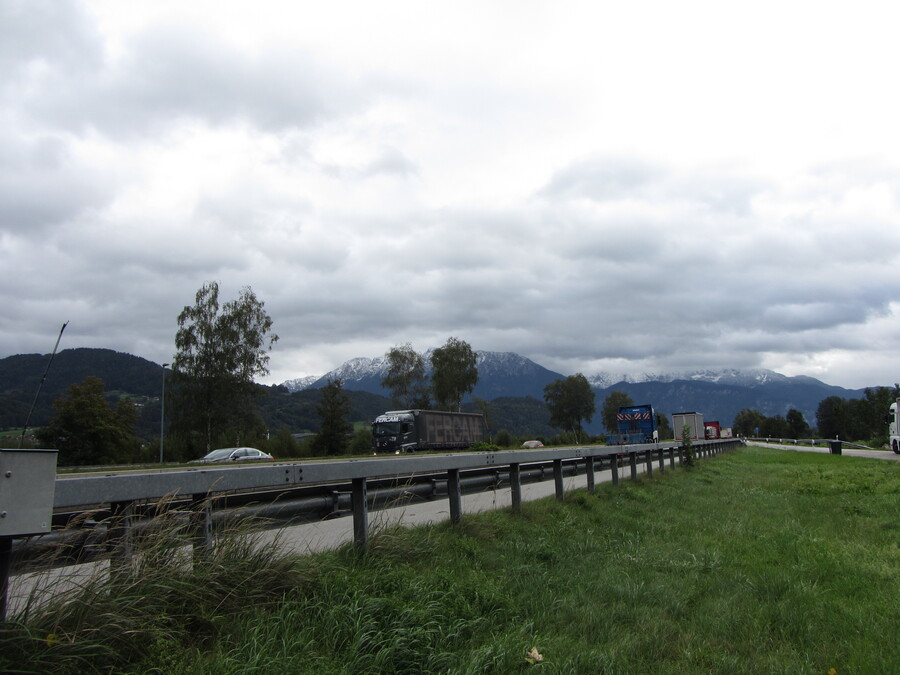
x: 346, y: 483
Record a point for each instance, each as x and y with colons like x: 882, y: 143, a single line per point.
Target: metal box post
x: 27, y: 485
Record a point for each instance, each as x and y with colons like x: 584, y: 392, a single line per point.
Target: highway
x: 845, y: 451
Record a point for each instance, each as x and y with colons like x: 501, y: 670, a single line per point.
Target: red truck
x: 712, y: 430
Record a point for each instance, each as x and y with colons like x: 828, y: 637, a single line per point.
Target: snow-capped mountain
x: 299, y: 383
x: 719, y: 394
x: 748, y: 377
x: 499, y: 374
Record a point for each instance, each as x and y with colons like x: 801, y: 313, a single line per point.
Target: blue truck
x: 635, y: 424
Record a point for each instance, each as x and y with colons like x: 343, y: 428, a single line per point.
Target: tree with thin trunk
x: 406, y: 378
x: 219, y: 352
x: 334, y: 428
x: 570, y: 400
x: 454, y: 373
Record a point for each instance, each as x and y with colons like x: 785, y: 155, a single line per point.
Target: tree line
x: 862, y: 419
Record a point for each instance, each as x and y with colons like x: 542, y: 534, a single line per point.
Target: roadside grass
x: 759, y: 561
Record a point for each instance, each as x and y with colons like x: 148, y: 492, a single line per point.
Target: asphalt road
x: 845, y: 451
x: 329, y: 534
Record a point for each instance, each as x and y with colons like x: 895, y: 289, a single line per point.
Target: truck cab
x: 635, y: 424
x: 394, y: 432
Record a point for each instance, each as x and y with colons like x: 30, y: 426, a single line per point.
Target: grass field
x: 759, y: 561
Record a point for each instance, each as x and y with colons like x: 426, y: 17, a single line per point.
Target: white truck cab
x: 893, y: 431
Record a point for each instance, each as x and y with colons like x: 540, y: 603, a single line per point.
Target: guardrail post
x: 672, y: 458
x: 360, y: 514
x: 201, y: 526
x: 632, y: 459
x: 558, y: 478
x: 662, y: 459
x: 589, y: 472
x: 454, y: 493
x: 118, y: 537
x: 515, y: 486
x: 649, y: 461
x: 5, y: 564
x: 614, y: 468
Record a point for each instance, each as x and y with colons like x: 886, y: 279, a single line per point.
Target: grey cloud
x: 44, y: 32
x: 601, y: 179
x: 391, y: 162
x: 170, y: 73
x: 610, y: 179
x: 43, y: 182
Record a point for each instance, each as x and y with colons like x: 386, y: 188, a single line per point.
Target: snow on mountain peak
x: 511, y: 363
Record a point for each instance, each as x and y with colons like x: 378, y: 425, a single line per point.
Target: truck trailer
x: 635, y: 424
x: 398, y: 431
x: 694, y: 420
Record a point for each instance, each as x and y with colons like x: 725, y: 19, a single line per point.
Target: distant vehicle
x: 712, y: 430
x: 635, y: 424
x: 399, y: 431
x: 693, y: 420
x: 233, y: 455
x: 894, y: 428
x: 532, y: 444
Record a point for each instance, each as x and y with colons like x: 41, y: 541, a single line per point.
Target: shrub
x: 482, y: 446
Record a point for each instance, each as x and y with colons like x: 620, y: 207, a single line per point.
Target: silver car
x: 233, y: 455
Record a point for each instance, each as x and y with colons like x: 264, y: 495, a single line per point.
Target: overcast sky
x: 599, y: 186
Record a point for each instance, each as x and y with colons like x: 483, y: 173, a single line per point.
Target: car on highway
x: 532, y: 444
x: 233, y: 455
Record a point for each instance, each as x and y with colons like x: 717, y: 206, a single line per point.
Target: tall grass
x: 758, y: 561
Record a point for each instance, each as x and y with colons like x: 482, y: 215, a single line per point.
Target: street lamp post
x: 162, y: 413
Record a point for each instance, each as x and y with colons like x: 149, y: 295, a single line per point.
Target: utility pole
x: 162, y: 412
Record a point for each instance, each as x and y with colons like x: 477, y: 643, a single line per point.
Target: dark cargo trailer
x: 399, y: 431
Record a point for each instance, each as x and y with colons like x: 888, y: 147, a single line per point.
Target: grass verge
x: 757, y: 561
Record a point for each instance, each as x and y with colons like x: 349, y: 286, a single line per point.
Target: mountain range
x: 719, y: 395
x: 512, y: 382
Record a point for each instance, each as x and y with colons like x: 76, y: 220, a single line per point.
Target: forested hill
x: 120, y: 372
x: 20, y: 378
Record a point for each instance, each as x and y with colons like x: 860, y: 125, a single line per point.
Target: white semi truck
x: 893, y: 430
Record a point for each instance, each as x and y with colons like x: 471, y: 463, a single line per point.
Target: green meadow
x: 757, y: 561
